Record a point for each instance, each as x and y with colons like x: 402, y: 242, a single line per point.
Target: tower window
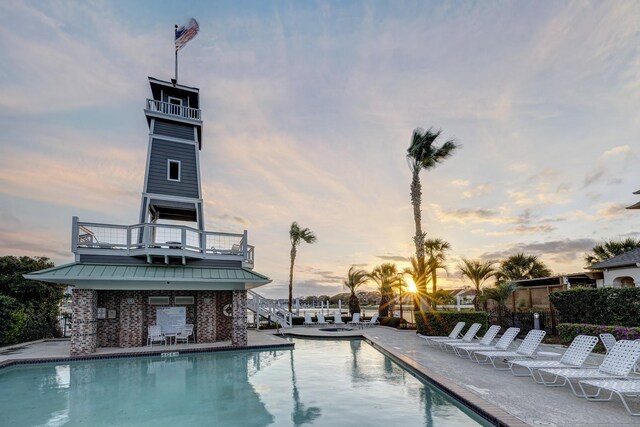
x: 173, y: 170
x: 174, y: 101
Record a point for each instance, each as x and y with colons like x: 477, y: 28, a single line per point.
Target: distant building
x: 166, y: 270
x: 620, y: 271
x: 534, y: 293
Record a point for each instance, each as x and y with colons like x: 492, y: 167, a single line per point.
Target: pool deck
x: 515, y: 401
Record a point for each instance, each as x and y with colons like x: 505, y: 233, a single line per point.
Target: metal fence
x: 525, y: 320
x: 64, y: 320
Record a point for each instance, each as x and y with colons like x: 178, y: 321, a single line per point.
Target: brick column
x: 83, y: 332
x: 239, y: 318
x: 206, y: 316
x: 132, y: 319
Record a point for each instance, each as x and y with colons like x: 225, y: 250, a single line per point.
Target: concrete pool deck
x: 516, y: 401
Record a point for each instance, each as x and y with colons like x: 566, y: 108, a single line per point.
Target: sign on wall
x: 171, y: 319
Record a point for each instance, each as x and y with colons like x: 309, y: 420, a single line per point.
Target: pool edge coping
x: 38, y: 360
x: 481, y: 407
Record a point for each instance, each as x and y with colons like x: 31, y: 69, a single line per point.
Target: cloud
x: 395, y: 258
x: 611, y: 211
x: 460, y: 182
x: 617, y: 150
x: 478, y: 190
x: 562, y: 251
x: 523, y: 229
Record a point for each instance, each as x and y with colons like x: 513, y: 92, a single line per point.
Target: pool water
x: 320, y: 383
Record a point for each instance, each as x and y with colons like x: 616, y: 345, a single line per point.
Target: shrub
x: 568, y: 331
x: 604, y: 306
x: 442, y: 322
x: 393, y: 322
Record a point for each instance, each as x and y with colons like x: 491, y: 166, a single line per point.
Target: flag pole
x: 176, y: 31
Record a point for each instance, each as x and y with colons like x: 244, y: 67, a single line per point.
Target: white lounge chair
x: 321, y: 321
x: 184, y: 335
x: 525, y: 350
x: 485, y: 342
x: 467, y: 338
x: 154, y: 334
x: 337, y: 319
x: 355, y: 320
x: 189, y: 326
x: 502, y: 345
x: 617, y: 365
x: 573, y: 358
x: 308, y: 321
x: 455, y: 333
x: 630, y: 388
x: 371, y: 322
x: 608, y: 340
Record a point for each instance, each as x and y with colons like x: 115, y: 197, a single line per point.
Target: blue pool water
x: 320, y: 383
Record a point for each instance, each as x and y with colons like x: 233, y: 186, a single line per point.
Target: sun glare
x: 411, y: 285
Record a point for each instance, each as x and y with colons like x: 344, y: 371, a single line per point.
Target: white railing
x: 158, y: 239
x: 173, y: 109
x: 268, y: 309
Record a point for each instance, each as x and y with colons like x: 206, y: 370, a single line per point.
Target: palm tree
x: 422, y: 154
x: 419, y: 274
x: 520, y: 267
x: 297, y: 235
x: 500, y: 293
x: 385, y: 275
x: 478, y: 272
x: 355, y: 279
x: 610, y: 249
x: 435, y: 253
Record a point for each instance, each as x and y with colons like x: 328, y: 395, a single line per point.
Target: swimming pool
x: 328, y: 383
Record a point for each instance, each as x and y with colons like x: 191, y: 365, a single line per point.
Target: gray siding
x: 157, y: 181
x: 109, y: 259
x: 175, y: 130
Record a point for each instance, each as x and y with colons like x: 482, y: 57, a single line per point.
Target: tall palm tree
x: 297, y: 235
x: 500, y: 293
x: 610, y: 249
x: 355, y: 279
x: 478, y: 272
x: 436, y: 257
x: 520, y: 267
x: 423, y: 154
x: 385, y: 275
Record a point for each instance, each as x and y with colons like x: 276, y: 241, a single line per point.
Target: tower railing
x: 159, y: 239
x: 173, y: 109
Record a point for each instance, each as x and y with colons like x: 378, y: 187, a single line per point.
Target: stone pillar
x: 83, y: 333
x: 206, y: 316
x: 132, y: 319
x: 239, y: 318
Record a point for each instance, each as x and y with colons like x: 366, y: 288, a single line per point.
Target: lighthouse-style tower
x: 166, y: 271
x: 172, y: 188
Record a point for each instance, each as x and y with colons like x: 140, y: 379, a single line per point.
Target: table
x: 171, y: 335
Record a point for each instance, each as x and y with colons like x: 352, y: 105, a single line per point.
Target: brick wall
x: 83, y: 332
x: 239, y: 318
x: 207, y: 316
x: 109, y: 329
x: 223, y: 322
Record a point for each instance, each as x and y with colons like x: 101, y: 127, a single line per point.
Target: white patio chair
x: 337, y: 319
x: 467, y: 338
x: 321, y: 321
x: 184, y: 335
x: 455, y: 333
x: 154, y: 334
x: 630, y: 388
x: 355, y: 320
x: 189, y: 326
x: 308, y: 321
x: 617, y: 365
x: 525, y: 350
x: 503, y: 344
x: 371, y: 322
x: 484, y: 343
x: 573, y: 358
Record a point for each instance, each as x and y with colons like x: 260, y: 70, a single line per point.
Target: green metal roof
x: 118, y: 276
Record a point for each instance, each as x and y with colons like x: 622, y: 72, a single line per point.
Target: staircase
x: 268, y: 309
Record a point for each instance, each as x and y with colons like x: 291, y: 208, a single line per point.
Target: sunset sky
x: 308, y: 110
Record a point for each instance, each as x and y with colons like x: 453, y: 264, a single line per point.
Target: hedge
x: 440, y: 323
x: 604, y: 306
x: 568, y: 331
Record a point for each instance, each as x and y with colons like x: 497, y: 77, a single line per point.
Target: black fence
x: 64, y: 321
x: 526, y: 320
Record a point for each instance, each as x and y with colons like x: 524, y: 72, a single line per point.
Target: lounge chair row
x: 614, y: 376
x: 355, y: 321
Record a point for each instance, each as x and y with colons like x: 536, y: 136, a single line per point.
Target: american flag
x: 185, y: 33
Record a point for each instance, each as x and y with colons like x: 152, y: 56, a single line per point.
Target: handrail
x: 173, y: 109
x: 153, y: 237
x: 268, y: 309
